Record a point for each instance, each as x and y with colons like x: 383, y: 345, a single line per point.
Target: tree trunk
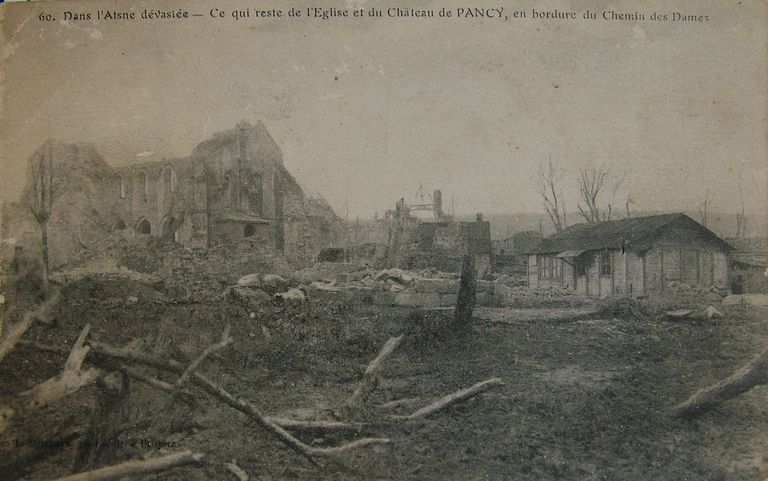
x: 753, y: 374
x: 458, y: 396
x: 15, y: 332
x: 367, y: 385
x: 69, y: 381
x: 131, y: 469
x: 44, y: 251
x: 465, y: 302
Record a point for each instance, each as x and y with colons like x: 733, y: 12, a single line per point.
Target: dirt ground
x: 586, y: 395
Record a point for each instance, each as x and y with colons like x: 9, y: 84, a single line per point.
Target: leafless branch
x: 69, y: 381
x: 370, y: 379
x: 591, y: 181
x: 704, y: 208
x: 237, y: 471
x: 458, y: 396
x: 225, y: 341
x: 222, y: 395
x: 741, y: 220
x: 549, y: 176
x: 14, y: 334
x: 131, y: 469
x: 316, y: 425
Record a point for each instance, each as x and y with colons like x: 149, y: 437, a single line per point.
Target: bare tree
x: 549, y: 176
x: 615, y: 191
x: 741, y: 219
x: 704, y: 208
x: 592, y: 182
x: 41, y: 193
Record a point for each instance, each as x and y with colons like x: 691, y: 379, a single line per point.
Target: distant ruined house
x: 232, y: 187
x: 422, y: 236
x: 631, y: 257
x: 750, y: 265
x: 510, y: 253
x: 517, y: 244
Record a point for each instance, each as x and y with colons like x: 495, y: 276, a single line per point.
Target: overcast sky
x: 366, y: 111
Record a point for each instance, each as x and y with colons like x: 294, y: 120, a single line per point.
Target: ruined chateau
x: 421, y: 235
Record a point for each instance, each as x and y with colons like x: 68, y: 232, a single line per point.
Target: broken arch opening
x: 143, y: 226
x: 169, y: 228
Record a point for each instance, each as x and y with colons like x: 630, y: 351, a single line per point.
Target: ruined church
x: 233, y: 186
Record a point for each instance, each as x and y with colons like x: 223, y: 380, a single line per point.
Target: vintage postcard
x: 383, y: 240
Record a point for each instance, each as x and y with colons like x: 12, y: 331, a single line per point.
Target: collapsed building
x: 509, y: 254
x: 750, y: 265
x: 421, y: 235
x: 232, y: 187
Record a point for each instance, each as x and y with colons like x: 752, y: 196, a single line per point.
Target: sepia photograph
x: 381, y: 240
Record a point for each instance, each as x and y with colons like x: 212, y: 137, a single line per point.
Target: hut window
x: 606, y: 268
x: 549, y: 267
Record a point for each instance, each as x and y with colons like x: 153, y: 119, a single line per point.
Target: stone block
x: 440, y: 286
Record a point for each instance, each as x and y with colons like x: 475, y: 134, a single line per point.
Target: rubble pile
x: 198, y: 275
x: 545, y: 296
x: 122, y: 248
x: 506, y: 278
x: 428, y: 287
x: 678, y: 294
x: 746, y: 299
x: 184, y: 274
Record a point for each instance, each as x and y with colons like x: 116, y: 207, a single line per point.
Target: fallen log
x: 135, y: 468
x: 753, y: 374
x: 250, y: 410
x: 225, y: 341
x: 451, y: 399
x: 386, y: 350
x: 154, y: 382
x: 213, y: 389
x: 110, y: 365
x: 237, y: 471
x: 209, y: 386
x: 70, y: 380
x: 15, y: 333
x: 316, y: 425
x: 370, y: 379
x: 147, y: 379
x: 336, y: 450
x: 217, y: 392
